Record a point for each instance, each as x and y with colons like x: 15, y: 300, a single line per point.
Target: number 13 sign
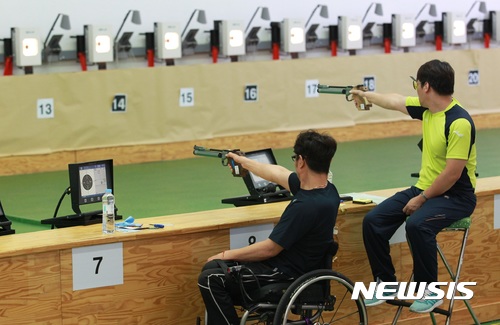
x: 97, y: 266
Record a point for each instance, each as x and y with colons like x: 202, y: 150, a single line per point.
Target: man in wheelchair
x: 298, y: 243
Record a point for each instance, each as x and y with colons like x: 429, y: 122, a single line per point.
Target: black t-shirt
x: 305, y: 229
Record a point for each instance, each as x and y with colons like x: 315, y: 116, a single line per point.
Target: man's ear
x: 301, y: 163
x: 426, y: 87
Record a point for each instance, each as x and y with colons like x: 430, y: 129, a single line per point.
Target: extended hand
x: 235, y: 160
x: 359, y: 98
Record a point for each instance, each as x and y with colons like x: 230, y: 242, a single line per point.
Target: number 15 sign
x: 97, y: 266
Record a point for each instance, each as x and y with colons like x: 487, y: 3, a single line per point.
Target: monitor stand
x: 5, y: 226
x: 82, y: 219
x: 246, y: 200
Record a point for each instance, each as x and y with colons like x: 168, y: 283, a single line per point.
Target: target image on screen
x: 93, y: 181
x: 88, y: 182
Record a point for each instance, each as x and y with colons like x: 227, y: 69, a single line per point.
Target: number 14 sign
x: 97, y: 266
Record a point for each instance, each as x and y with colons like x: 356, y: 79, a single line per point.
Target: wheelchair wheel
x: 320, y: 297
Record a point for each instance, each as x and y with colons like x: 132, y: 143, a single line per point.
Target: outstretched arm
x: 395, y: 102
x: 274, y: 173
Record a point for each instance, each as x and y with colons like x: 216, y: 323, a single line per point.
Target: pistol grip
x: 363, y: 103
x: 237, y: 169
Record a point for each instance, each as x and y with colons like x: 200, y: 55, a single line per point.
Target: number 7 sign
x: 97, y: 266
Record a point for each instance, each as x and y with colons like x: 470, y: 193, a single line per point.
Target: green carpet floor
x: 199, y: 183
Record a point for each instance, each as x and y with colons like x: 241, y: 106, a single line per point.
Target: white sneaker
x: 426, y: 304
x: 389, y: 295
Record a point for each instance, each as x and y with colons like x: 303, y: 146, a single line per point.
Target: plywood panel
x: 30, y: 291
x: 159, y: 287
x: 161, y: 267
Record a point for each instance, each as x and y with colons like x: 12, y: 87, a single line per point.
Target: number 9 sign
x: 245, y: 236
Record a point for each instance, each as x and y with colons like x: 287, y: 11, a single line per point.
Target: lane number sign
x: 119, y: 103
x: 45, y: 108
x: 186, y: 97
x: 312, y: 88
x: 244, y: 236
x: 251, y: 93
x: 97, y: 266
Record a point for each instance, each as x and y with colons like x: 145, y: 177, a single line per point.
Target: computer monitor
x: 88, y: 181
x: 260, y: 190
x: 255, y: 184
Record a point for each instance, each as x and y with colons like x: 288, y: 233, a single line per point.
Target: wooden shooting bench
x: 161, y: 266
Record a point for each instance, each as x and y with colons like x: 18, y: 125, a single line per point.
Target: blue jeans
x: 421, y: 229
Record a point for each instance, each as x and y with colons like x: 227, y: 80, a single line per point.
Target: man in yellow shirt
x: 444, y: 192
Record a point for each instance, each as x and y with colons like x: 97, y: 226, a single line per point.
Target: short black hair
x: 440, y: 76
x: 316, y: 149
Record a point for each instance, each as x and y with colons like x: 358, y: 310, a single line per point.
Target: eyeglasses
x: 296, y: 157
x: 415, y: 83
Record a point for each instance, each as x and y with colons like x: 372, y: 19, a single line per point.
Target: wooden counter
x: 161, y: 267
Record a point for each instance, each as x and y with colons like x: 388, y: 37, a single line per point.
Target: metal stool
x: 460, y: 225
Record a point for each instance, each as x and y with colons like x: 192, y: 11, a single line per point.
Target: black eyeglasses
x: 415, y: 83
x: 296, y: 156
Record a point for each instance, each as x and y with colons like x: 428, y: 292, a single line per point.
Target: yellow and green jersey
x: 449, y: 134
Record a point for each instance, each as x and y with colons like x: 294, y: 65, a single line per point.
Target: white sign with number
x: 312, y: 88
x: 97, y: 266
x: 244, y: 236
x: 186, y: 97
x: 45, y: 108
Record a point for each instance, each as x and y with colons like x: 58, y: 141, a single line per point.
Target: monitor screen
x: 88, y: 182
x: 255, y: 184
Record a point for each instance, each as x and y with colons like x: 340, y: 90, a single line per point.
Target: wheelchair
x: 318, y: 297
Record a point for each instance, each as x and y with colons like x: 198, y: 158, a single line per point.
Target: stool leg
x: 433, y: 319
x: 400, y: 307
x: 396, y: 317
x: 455, y: 277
